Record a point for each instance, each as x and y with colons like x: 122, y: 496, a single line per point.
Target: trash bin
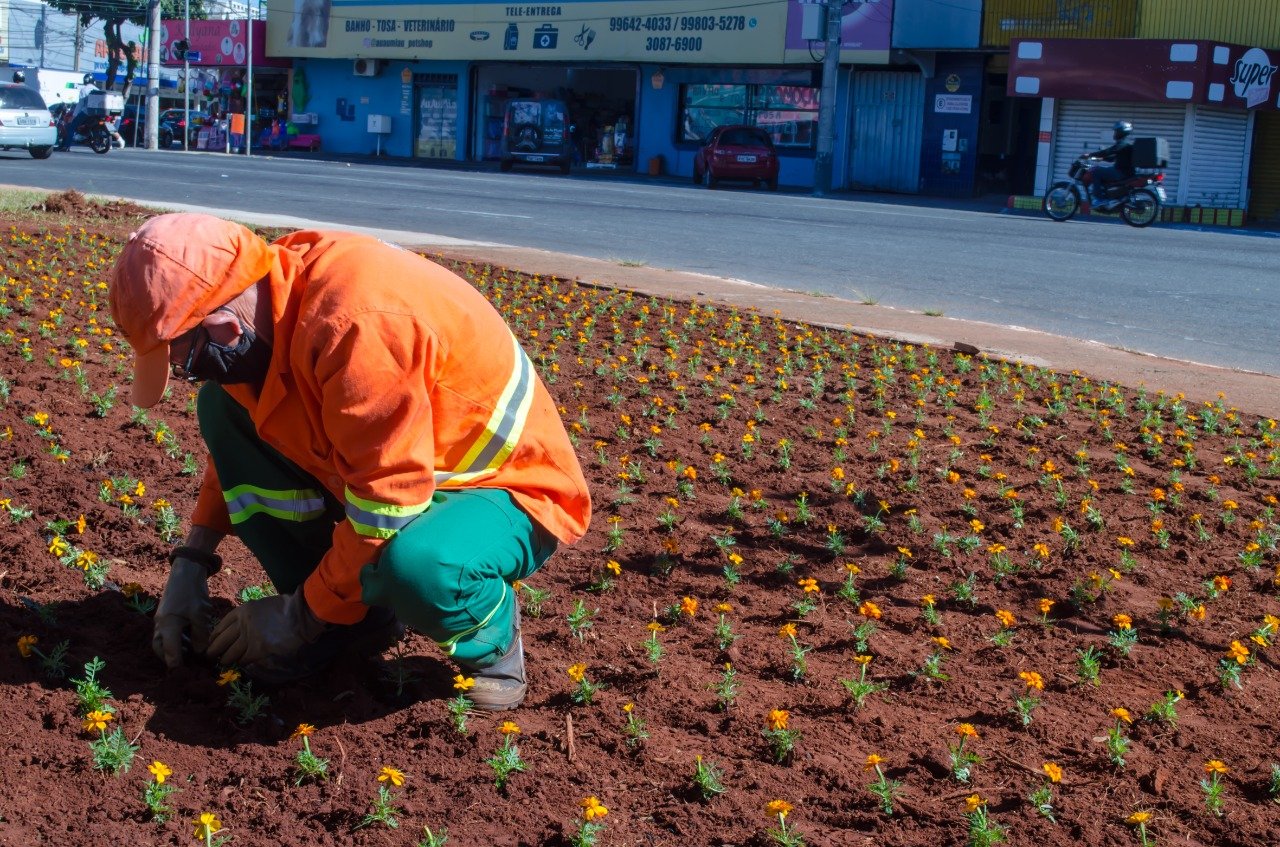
x: 655, y: 165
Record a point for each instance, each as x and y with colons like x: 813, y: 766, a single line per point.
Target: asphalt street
x: 1206, y: 296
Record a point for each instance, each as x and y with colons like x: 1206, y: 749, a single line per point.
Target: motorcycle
x: 1139, y: 197
x: 98, y: 132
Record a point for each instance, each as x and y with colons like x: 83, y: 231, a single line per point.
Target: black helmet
x: 19, y: 76
x: 88, y: 79
x: 1122, y: 129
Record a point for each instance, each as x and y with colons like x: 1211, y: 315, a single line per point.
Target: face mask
x: 246, y: 362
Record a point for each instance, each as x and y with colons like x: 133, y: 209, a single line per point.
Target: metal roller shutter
x: 1085, y: 125
x: 1215, y: 175
x: 888, y: 116
x: 1264, y: 171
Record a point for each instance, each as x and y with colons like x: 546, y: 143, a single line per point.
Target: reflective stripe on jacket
x: 390, y: 377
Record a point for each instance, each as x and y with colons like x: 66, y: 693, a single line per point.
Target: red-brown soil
x: 608, y: 354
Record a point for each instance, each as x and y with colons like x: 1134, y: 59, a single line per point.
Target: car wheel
x: 40, y: 152
x: 166, y: 138
x: 707, y: 179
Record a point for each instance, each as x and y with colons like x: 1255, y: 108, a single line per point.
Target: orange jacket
x: 390, y: 377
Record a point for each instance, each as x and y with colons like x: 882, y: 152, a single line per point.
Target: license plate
x: 535, y: 158
x: 28, y: 122
x: 1160, y: 193
x: 745, y: 158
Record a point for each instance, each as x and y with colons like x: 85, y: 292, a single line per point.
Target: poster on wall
x: 866, y: 29
x: 684, y: 31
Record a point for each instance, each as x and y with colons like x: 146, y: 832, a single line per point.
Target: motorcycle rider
x: 77, y: 116
x: 1120, y: 158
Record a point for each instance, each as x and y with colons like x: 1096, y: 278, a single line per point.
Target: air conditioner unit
x: 366, y: 67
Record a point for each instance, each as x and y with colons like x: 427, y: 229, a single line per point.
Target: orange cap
x: 172, y: 273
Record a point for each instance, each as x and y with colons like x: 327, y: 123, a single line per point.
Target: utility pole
x: 186, y: 74
x: 44, y: 30
x: 827, y: 103
x: 75, y: 62
x: 153, y: 74
x: 248, y: 81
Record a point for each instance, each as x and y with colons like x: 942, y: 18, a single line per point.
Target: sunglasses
x: 183, y: 371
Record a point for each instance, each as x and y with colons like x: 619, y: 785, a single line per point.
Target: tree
x: 113, y: 14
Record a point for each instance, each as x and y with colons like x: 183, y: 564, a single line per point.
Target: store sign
x: 1252, y: 75
x: 667, y: 31
x: 866, y: 30
x: 953, y: 104
x: 216, y: 43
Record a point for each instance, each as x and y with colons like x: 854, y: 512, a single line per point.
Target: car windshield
x: 744, y: 138
x: 20, y: 97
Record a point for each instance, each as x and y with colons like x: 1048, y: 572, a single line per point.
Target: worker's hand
x: 271, y: 628
x: 183, y: 606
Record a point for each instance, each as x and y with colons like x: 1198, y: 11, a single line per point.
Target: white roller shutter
x: 1217, y: 169
x: 1082, y: 124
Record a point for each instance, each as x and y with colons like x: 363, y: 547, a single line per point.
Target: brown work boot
x: 501, y: 686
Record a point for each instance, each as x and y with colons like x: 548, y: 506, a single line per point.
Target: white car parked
x: 25, y: 122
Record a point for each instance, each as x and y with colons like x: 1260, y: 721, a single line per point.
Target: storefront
x: 1202, y: 96
x: 600, y: 99
x: 218, y: 55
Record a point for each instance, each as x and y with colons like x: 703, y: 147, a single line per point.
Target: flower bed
x: 837, y: 589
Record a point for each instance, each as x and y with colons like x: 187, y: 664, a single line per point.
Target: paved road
x: 1204, y: 296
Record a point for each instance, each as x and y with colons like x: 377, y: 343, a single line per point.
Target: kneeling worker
x: 377, y: 439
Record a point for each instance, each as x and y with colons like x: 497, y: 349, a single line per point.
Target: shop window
x: 788, y: 113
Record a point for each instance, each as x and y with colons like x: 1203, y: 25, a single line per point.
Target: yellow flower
x: 228, y: 677
x: 904, y: 551
x: 509, y: 728
x: 577, y: 672
x: 1214, y: 766
x: 724, y: 608
x: 57, y: 546
x: 1121, y: 714
x: 97, y: 720
x: 967, y: 730
x: 1221, y: 583
x: 862, y: 660
x: 869, y: 610
x: 592, y: 809
x: 688, y: 606
x: 206, y: 825
x: 928, y: 600
x: 1238, y: 652
x: 1122, y: 621
x: 81, y: 525
x: 303, y: 730
x: 160, y: 771
x: 1052, y: 771
x: 972, y: 802
x: 1125, y: 541
x: 654, y: 626
x: 1006, y: 618
x: 873, y: 761
x: 613, y: 567
x: 942, y: 641
x: 809, y: 585
x: 1197, y: 613
x: 777, y: 719
x: 391, y: 775
x: 1044, y: 604
x: 1041, y: 549
x: 1138, y: 818
x: 778, y: 808
x: 787, y: 630
x: 1032, y: 679
x: 26, y: 644
x: 628, y: 707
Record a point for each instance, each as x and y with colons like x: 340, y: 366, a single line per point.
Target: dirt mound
x: 72, y: 202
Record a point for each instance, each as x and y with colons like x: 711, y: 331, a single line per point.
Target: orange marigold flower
x: 1122, y: 621
x: 1214, y: 766
x: 1054, y: 772
x: 1006, y: 618
x: 1044, y: 604
x: 787, y: 630
x: 873, y: 761
x: 1121, y: 714
x: 688, y: 606
x: 869, y: 610
x: 967, y: 730
x: 778, y: 808
x: 777, y: 719
x: 1238, y: 652
x: 1032, y: 679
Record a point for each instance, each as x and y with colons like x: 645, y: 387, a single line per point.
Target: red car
x: 737, y: 152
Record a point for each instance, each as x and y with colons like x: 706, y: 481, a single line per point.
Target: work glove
x: 273, y: 628
x: 183, y: 606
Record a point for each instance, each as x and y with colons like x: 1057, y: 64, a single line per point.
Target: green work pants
x: 448, y: 574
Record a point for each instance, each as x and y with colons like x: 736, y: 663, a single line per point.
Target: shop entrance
x: 1008, y: 139
x: 436, y: 99
x: 601, y: 104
